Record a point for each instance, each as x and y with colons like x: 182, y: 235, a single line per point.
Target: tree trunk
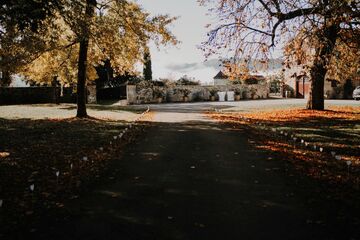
x: 5, y: 79
x: 81, y: 83
x: 82, y: 61
x: 319, y: 68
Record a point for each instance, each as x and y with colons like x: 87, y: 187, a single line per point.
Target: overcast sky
x: 190, y: 29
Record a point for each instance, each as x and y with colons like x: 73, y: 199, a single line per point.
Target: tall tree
x: 254, y: 27
x: 343, y: 65
x: 20, y: 28
x: 147, y: 64
x: 5, y: 78
x: 83, y: 56
x: 27, y: 14
x: 87, y: 31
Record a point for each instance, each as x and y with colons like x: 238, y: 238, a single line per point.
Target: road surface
x: 189, y: 178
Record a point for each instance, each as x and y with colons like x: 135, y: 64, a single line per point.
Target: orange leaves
x: 290, y: 115
x: 319, y: 136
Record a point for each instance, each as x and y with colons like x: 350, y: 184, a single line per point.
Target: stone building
x: 297, y: 84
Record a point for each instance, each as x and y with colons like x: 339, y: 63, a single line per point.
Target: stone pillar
x: 131, y: 95
x: 91, y: 97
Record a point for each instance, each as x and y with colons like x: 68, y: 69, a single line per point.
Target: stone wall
x: 197, y: 93
x: 91, y: 94
x: 131, y: 94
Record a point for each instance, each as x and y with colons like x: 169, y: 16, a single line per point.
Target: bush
x: 183, y: 91
x: 185, y: 81
x: 158, y: 92
x: 237, y: 91
x: 213, y: 91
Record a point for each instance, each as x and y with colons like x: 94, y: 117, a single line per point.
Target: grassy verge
x: 44, y: 163
x: 106, y: 107
x: 324, y: 144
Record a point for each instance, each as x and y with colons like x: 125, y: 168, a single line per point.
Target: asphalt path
x: 188, y: 178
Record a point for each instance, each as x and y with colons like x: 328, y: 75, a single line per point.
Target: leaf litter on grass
x: 41, y: 163
x: 336, y: 130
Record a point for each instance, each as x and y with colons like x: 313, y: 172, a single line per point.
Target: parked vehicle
x: 356, y: 93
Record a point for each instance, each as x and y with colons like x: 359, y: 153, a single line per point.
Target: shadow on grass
x: 37, y: 150
x: 117, y: 108
x: 111, y: 108
x: 337, y: 134
x: 179, y: 179
x: 175, y: 182
x: 335, y: 130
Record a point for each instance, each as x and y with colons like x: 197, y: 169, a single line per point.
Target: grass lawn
x: 65, y: 111
x: 309, y: 139
x: 44, y: 163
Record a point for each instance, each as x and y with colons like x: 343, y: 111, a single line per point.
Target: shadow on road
x: 202, y: 180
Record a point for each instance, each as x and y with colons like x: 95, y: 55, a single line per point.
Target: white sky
x: 190, y: 29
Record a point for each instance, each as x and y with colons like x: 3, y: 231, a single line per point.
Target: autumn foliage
x: 252, y: 29
x: 335, y: 132
x: 299, y: 115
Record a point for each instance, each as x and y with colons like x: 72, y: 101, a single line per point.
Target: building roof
x: 221, y: 75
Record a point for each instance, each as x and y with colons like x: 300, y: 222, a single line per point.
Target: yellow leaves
x: 345, y: 62
x: 4, y: 154
x: 236, y: 71
x: 60, y: 63
x: 124, y: 32
x: 119, y: 33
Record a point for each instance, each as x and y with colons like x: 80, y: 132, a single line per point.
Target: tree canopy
x: 343, y: 65
x: 27, y: 13
x: 252, y: 28
x: 74, y: 37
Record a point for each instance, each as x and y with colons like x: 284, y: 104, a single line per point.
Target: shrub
x: 183, y: 91
x: 186, y: 81
x: 237, y: 91
x: 213, y: 91
x: 158, y: 92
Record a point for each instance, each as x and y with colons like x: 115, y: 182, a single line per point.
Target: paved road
x: 183, y: 112
x: 169, y: 112
x: 244, y: 105
x: 190, y: 178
